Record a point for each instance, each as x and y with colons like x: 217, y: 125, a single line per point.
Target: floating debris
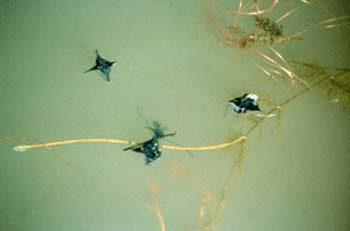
x: 151, y: 147
x: 102, y: 65
x: 244, y: 103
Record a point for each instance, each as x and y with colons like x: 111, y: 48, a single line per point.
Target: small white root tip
x: 20, y: 148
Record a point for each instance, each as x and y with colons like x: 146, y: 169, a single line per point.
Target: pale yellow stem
x: 22, y: 148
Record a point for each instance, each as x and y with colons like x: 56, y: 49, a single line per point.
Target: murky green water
x: 174, y: 68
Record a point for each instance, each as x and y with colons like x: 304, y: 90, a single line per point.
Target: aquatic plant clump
x: 269, y: 29
x: 265, y: 31
x: 338, y: 89
x: 254, y: 28
x: 337, y: 86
